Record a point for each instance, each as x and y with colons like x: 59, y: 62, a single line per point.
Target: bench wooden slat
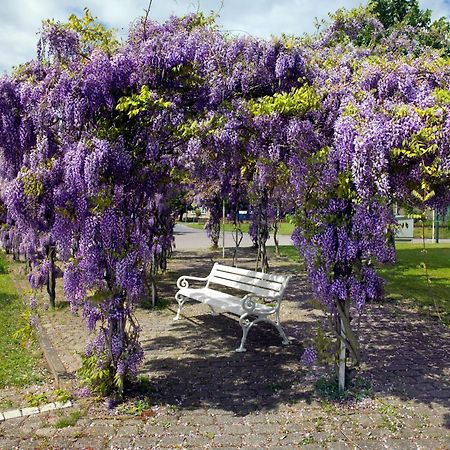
x: 257, y: 275
x: 249, y: 281
x: 247, y: 288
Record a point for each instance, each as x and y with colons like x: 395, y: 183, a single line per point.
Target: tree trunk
x: 348, y: 341
x: 215, y: 235
x: 264, y: 257
x: 28, y: 267
x: 275, y: 238
x: 262, y: 234
x: 154, y: 292
x: 342, y: 366
x: 51, y: 280
x: 117, y: 328
x: 237, y: 237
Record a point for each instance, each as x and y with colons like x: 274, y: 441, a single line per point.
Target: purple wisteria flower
x: 34, y: 321
x: 309, y: 356
x: 83, y: 392
x: 32, y: 302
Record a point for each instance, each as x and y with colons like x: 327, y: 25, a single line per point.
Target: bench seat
x: 220, y: 301
x: 258, y: 296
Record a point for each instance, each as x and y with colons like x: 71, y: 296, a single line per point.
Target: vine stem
x: 147, y: 12
x: 342, y: 360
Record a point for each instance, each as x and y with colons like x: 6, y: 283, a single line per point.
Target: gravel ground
x: 204, y: 395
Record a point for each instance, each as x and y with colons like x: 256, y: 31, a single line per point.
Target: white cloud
x: 21, y: 19
x: 439, y: 7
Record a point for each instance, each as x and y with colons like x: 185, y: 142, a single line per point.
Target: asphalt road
x: 187, y: 238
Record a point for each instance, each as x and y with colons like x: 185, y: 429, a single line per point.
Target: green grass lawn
x: 444, y: 232
x: 406, y: 278
x: 287, y: 250
x: 19, y: 366
x: 287, y: 229
x: 284, y: 227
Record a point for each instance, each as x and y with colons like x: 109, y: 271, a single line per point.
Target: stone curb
x: 54, y: 363
x: 24, y: 412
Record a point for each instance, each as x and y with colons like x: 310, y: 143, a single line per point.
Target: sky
x: 20, y: 20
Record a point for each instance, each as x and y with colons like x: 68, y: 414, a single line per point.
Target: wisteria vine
x: 97, y: 141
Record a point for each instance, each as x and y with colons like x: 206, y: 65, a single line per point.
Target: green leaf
x: 298, y: 101
x: 145, y: 100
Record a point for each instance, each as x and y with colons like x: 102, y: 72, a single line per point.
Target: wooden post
x: 223, y: 229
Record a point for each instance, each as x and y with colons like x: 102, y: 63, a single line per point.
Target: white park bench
x: 251, y: 307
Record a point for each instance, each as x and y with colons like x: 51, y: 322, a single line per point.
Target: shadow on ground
x: 407, y: 354
x: 192, y: 363
x: 208, y: 373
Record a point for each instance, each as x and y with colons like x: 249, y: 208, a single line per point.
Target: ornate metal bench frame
x: 258, y: 285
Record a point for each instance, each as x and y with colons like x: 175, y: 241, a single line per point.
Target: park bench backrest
x: 261, y: 284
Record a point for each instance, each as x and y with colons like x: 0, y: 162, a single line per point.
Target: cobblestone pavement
x: 204, y: 395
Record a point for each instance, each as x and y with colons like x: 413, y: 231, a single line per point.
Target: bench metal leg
x: 282, y: 334
x: 213, y: 311
x: 280, y: 329
x: 181, y: 301
x: 246, y: 325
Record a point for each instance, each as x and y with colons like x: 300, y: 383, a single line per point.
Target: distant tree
x: 397, y: 26
x: 180, y: 204
x: 438, y: 35
x: 407, y: 12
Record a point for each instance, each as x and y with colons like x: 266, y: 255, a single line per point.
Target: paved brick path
x: 205, y: 395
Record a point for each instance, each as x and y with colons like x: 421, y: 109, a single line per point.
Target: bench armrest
x: 250, y: 302
x: 182, y: 282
